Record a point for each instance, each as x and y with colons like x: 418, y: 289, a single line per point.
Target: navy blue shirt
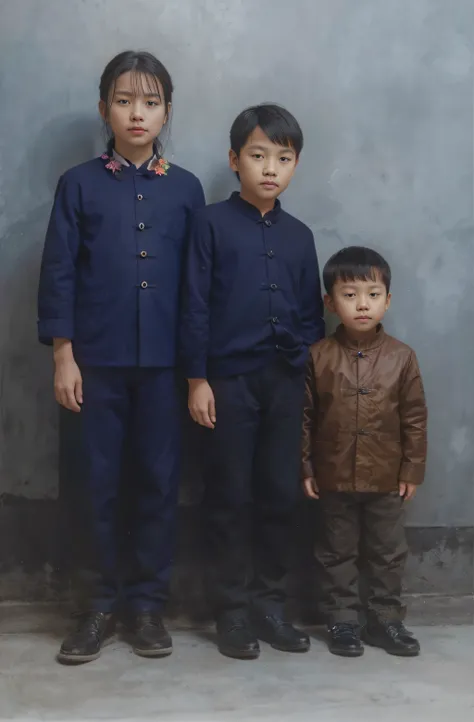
x: 251, y: 290
x: 112, y: 263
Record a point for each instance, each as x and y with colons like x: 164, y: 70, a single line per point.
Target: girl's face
x: 135, y: 110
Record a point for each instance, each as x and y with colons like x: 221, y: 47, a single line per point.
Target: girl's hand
x: 201, y: 403
x: 67, y: 377
x: 310, y: 488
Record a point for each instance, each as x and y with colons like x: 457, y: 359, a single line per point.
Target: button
x: 364, y: 392
x: 139, y: 197
x: 360, y: 354
x: 143, y: 254
x: 275, y: 320
x: 270, y: 254
x: 277, y: 347
x: 141, y: 226
x: 268, y: 224
x: 273, y: 286
x: 144, y: 284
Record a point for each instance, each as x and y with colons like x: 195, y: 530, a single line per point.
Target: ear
x: 329, y: 303
x: 297, y: 160
x: 388, y: 301
x: 168, y: 113
x: 233, y: 161
x: 103, y: 109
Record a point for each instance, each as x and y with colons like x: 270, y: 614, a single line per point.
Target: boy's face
x: 265, y: 168
x: 360, y: 304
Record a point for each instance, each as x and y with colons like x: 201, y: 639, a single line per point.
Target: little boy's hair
x: 276, y: 122
x: 356, y: 263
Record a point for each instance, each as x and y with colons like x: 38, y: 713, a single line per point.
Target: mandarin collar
x: 373, y: 340
x: 252, y: 212
x: 146, y: 166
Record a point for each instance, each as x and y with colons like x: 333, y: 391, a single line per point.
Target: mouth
x: 136, y: 130
x: 269, y: 184
x: 363, y: 318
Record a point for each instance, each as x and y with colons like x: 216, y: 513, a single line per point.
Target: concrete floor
x: 197, y: 684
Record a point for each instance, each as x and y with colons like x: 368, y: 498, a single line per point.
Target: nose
x: 269, y: 169
x: 362, y: 303
x: 136, y: 111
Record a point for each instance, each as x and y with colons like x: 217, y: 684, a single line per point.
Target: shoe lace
x: 344, y: 629
x: 151, y: 620
x: 397, y: 629
x: 90, y: 623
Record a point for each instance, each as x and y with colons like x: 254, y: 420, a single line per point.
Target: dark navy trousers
x: 135, y: 409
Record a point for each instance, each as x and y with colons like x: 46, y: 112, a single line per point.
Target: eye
x: 374, y: 294
x: 349, y: 295
x: 152, y: 103
x: 285, y: 159
x: 257, y: 156
x: 122, y: 101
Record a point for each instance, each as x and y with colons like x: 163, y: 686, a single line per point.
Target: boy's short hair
x: 356, y: 263
x: 276, y: 122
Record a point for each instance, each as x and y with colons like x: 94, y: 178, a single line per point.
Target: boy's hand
x: 67, y: 377
x: 407, y: 491
x: 201, y: 403
x: 310, y: 488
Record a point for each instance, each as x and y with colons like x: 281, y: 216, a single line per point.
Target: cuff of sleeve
x: 195, y: 369
x: 51, y: 328
x: 307, y: 470
x: 412, y: 473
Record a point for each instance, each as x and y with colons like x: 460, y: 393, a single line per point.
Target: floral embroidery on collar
x: 159, y: 166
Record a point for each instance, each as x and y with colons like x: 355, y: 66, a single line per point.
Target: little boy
x: 252, y: 307
x: 364, y: 451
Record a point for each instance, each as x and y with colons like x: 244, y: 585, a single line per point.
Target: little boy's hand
x: 68, y: 385
x: 407, y: 491
x: 310, y: 488
x: 201, y: 403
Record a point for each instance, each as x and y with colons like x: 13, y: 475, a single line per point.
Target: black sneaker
x: 393, y: 637
x: 85, y: 643
x: 280, y: 634
x: 345, y: 640
x: 148, y: 635
x: 235, y: 637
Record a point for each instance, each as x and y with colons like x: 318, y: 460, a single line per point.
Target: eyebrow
x: 257, y: 146
x: 131, y: 93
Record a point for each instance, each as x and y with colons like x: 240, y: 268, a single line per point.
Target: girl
x: 108, y: 303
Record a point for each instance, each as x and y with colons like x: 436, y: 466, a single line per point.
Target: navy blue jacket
x: 112, y: 263
x: 251, y: 290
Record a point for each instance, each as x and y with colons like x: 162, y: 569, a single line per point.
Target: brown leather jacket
x: 365, y: 415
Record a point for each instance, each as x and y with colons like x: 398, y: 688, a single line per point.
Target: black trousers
x: 361, y: 532
x: 253, y: 458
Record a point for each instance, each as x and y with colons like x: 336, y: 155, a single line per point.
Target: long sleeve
x: 56, y: 294
x: 194, y: 327
x: 309, y: 420
x: 312, y: 307
x: 413, y: 423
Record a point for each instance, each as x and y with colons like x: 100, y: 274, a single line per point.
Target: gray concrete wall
x: 384, y: 92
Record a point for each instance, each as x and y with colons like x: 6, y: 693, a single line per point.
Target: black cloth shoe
x: 280, y: 634
x: 85, y: 643
x: 148, y: 635
x: 235, y: 637
x: 393, y: 637
x: 345, y: 640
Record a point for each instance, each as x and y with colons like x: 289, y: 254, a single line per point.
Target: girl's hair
x: 141, y: 65
x: 356, y: 263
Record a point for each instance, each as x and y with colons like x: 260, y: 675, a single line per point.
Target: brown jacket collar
x: 374, y: 340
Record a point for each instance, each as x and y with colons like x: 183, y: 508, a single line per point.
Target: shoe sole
x: 71, y: 660
x: 153, y: 653
x: 348, y: 654
x: 238, y: 655
x: 393, y: 652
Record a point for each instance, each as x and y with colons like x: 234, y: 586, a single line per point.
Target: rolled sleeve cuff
x: 51, y: 328
x: 411, y: 473
x: 307, y: 471
x: 196, y: 369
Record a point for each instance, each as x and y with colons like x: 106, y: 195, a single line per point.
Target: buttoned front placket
x: 270, y: 284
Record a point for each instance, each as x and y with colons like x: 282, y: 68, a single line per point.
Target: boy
x: 252, y: 307
x: 364, y: 451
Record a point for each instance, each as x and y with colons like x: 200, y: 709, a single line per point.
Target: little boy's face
x: 360, y: 304
x: 265, y: 168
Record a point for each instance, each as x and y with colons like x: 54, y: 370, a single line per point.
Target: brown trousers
x: 361, y: 533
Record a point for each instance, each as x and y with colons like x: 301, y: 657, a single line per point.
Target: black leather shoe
x: 235, y: 637
x: 85, y: 643
x: 281, y: 635
x: 345, y: 640
x: 148, y: 635
x: 393, y: 637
